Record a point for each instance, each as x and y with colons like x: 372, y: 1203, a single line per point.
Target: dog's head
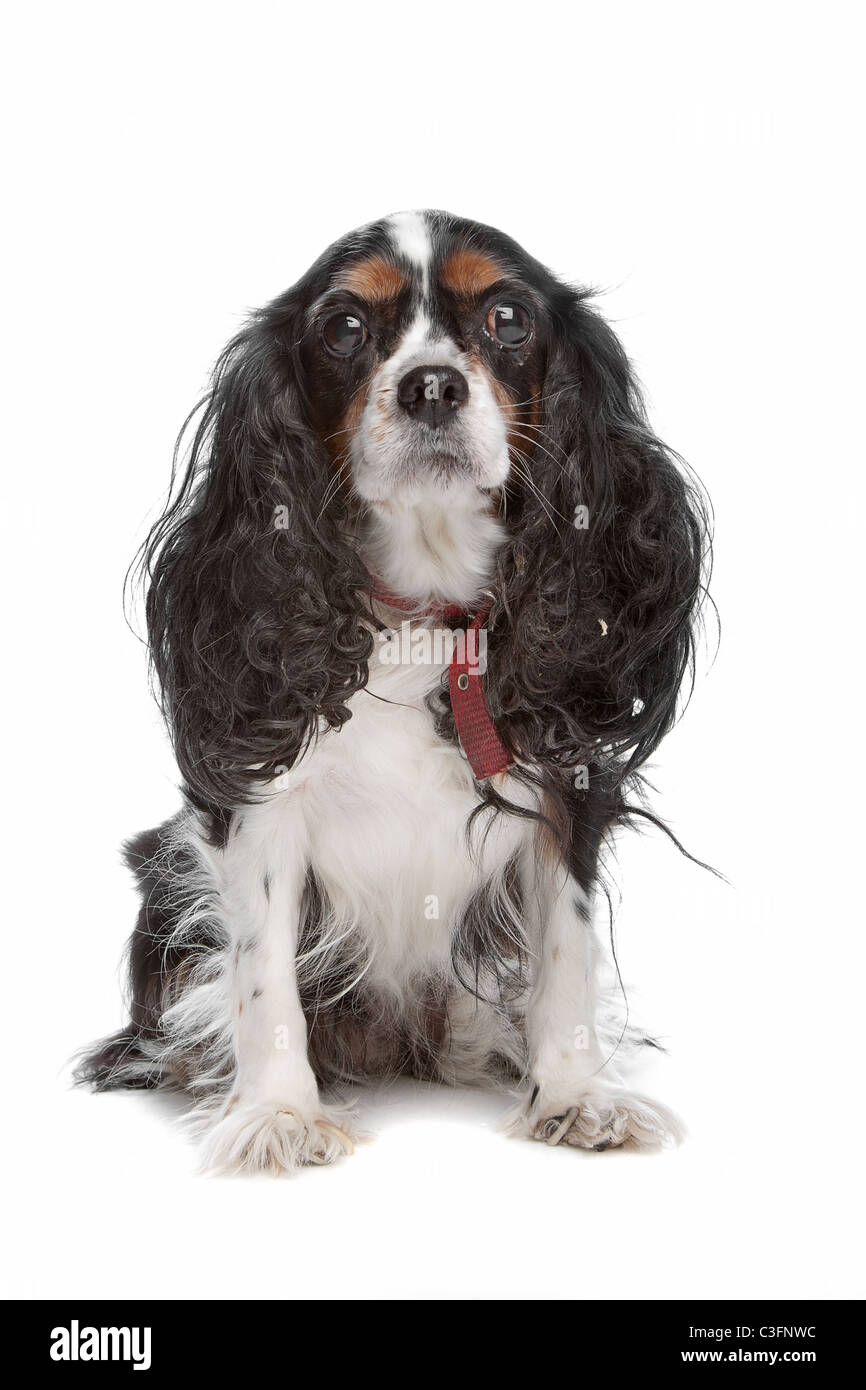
x: 425, y: 347
x: 430, y: 405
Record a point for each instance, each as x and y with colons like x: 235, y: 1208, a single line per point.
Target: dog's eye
x: 343, y: 334
x: 509, y: 323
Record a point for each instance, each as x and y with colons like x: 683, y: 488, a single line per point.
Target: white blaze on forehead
x: 411, y: 237
x: 417, y: 336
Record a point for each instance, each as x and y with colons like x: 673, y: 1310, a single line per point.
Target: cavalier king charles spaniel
x: 419, y: 609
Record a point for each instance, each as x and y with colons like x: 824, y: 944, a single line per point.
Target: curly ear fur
x: 605, y: 617
x: 252, y: 615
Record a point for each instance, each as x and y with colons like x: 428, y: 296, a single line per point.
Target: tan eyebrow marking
x: 468, y: 272
x: 374, y: 280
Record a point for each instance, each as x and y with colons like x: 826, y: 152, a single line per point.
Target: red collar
x: 479, y: 740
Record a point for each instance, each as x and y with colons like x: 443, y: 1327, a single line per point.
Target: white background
x: 170, y: 166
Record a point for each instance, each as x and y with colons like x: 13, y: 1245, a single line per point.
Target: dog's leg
x: 273, y: 1119
x: 577, y: 1095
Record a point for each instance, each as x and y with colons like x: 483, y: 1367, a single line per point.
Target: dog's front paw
x: 605, y: 1118
x: 276, y: 1138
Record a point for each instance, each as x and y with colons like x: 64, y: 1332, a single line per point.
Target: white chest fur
x: 382, y: 808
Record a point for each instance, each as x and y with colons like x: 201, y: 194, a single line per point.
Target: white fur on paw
x: 609, y: 1119
x: 276, y: 1138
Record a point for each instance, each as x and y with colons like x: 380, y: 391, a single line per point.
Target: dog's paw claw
x: 601, y: 1120
x: 276, y: 1139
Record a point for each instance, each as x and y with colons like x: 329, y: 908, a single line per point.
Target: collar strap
x: 479, y: 740
x: 419, y: 610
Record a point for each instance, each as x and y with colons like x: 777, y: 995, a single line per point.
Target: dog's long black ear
x: 604, y: 574
x: 252, y: 616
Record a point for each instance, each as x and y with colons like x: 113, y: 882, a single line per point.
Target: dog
x: 419, y: 609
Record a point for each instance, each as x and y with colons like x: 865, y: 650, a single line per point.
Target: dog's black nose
x: 433, y: 394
